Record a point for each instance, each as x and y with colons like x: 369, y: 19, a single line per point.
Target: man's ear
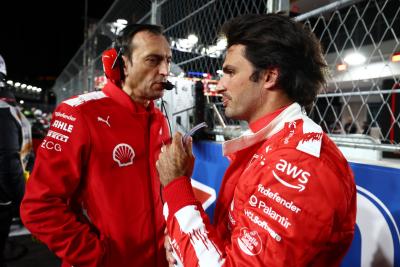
x: 125, y: 62
x: 271, y: 78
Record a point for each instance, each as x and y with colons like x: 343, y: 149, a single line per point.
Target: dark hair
x: 124, y: 40
x: 276, y: 41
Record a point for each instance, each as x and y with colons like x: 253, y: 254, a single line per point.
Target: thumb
x: 189, y: 146
x: 177, y: 141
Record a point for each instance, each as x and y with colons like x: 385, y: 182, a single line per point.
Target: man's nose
x: 164, y: 68
x: 220, y: 86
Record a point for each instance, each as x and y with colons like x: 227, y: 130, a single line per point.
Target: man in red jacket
x: 288, y: 197
x: 94, y: 194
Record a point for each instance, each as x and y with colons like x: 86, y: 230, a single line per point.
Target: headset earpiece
x: 113, y: 65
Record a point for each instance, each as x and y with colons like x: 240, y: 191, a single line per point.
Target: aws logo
x: 299, y: 177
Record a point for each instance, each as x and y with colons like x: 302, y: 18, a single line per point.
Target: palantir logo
x: 380, y: 238
x: 123, y: 154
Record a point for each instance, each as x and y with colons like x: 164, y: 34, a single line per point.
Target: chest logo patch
x: 249, y: 242
x: 123, y: 154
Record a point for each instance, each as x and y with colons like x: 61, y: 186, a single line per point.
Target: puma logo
x: 103, y: 120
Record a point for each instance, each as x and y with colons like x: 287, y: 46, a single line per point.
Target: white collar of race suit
x: 291, y: 113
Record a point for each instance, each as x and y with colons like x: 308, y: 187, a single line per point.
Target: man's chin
x: 158, y: 87
x: 157, y: 95
x: 229, y: 113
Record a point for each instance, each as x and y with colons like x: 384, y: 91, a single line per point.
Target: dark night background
x: 38, y: 38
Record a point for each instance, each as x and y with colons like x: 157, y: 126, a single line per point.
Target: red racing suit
x: 94, y: 194
x: 287, y: 199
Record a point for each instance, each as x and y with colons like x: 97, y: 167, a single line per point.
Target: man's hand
x: 168, y: 250
x: 175, y: 160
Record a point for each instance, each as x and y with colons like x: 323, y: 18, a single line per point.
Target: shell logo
x: 123, y: 154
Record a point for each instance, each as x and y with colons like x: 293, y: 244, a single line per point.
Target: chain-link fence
x: 360, y: 40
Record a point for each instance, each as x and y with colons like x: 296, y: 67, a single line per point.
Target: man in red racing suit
x: 288, y: 197
x: 94, y: 195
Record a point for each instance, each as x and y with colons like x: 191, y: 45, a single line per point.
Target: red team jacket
x: 287, y: 199
x: 94, y: 194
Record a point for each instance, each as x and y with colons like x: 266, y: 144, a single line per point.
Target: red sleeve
x: 57, y: 174
x: 274, y: 222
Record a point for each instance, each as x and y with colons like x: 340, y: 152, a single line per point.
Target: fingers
x: 168, y: 250
x: 177, y: 142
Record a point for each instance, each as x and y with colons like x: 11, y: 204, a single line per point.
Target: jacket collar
x: 291, y: 113
x: 122, y: 98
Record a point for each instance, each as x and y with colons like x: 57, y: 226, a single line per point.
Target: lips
x: 159, y: 85
x: 225, y: 99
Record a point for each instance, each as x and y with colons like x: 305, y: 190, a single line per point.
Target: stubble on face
x: 148, y: 67
x: 241, y: 96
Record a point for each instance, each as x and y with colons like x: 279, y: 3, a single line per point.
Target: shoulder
x: 300, y: 135
x: 85, y: 99
x: 302, y: 144
x: 309, y: 137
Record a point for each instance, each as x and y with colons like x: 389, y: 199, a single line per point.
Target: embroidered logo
x: 103, y: 120
x: 296, y: 174
x: 249, y: 242
x: 123, y: 154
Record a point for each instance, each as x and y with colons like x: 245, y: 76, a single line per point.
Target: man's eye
x: 152, y: 60
x: 228, y: 72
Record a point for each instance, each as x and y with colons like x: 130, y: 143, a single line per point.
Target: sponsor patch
x: 63, y: 126
x: 50, y: 145
x: 292, y: 127
x: 260, y: 204
x: 64, y: 116
x: 249, y: 242
x: 299, y: 177
x: 279, y: 199
x: 123, y: 154
x: 263, y: 224
x: 57, y: 136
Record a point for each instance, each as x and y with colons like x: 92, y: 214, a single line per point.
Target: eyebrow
x: 159, y: 56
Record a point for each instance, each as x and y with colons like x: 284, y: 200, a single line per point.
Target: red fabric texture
x: 277, y: 205
x: 94, y: 195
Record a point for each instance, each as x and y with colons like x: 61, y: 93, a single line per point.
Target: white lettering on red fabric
x: 57, y: 136
x: 279, y: 199
x: 292, y: 171
x: 260, y: 204
x: 63, y: 126
x: 292, y: 127
x: 263, y: 224
x: 50, y: 145
x: 65, y: 116
x: 249, y: 242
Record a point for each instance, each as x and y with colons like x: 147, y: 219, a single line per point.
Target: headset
x: 113, y: 64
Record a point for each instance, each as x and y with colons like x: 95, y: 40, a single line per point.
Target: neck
x: 135, y: 98
x: 274, y: 101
